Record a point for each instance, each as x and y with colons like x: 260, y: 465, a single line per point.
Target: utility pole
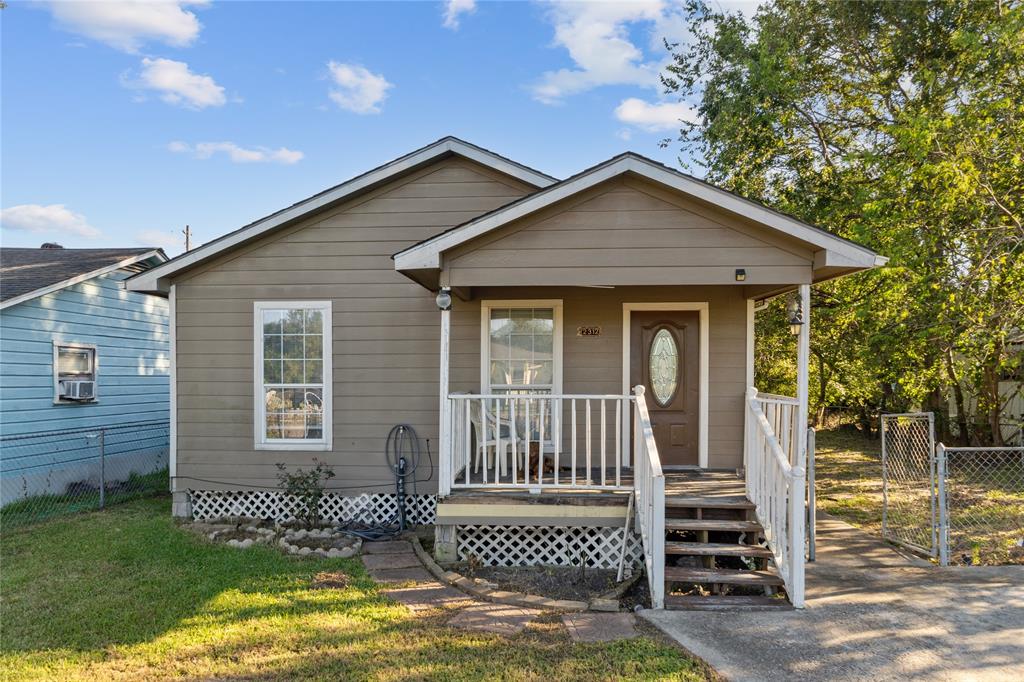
x: 188, y: 238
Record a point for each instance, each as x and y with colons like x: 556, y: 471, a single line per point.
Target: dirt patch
x: 327, y: 580
x: 554, y: 582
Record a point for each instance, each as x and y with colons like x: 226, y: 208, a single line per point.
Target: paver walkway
x: 873, y: 614
x: 589, y: 626
x: 497, y: 618
x: 394, y: 562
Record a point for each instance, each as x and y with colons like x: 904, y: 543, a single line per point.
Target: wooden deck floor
x: 719, y: 485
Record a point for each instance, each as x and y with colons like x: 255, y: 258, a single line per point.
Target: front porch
x: 597, y: 343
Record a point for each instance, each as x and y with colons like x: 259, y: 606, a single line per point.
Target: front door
x: 665, y: 360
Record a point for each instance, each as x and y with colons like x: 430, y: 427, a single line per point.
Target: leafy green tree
x: 899, y: 125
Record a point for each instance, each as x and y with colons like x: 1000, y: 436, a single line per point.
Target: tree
x: 897, y: 125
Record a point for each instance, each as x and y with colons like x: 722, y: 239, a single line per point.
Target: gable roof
x: 155, y: 279
x: 837, y: 251
x: 29, y: 273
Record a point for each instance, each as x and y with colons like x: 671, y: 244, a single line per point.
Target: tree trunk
x: 963, y: 438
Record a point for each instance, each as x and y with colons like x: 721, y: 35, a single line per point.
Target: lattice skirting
x: 547, y: 546
x: 369, y: 508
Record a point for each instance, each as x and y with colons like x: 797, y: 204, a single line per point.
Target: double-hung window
x: 75, y: 370
x: 522, y: 346
x: 293, y: 375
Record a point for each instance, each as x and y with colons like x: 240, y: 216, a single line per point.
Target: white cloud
x: 655, y: 117
x: 168, y: 241
x: 237, y: 154
x: 597, y: 36
x: 126, y: 25
x: 177, y: 84
x: 452, y: 10
x: 358, y: 90
x: 51, y: 219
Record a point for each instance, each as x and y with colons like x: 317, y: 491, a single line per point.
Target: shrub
x: 307, y: 487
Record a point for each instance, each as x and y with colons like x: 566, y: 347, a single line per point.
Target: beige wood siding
x: 593, y: 364
x: 385, y: 328
x: 628, y: 232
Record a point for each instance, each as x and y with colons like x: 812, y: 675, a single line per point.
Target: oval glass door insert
x: 664, y: 367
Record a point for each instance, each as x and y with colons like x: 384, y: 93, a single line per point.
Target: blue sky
x: 123, y: 122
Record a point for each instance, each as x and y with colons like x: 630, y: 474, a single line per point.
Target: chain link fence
x: 909, y: 509
x: 981, y: 505
x: 51, y: 473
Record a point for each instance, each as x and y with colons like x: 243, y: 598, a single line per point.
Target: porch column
x: 802, y: 362
x: 797, y: 511
x: 444, y: 436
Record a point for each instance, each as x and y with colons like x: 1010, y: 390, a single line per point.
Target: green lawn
x: 124, y: 593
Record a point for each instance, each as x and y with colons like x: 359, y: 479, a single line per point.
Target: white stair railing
x: 649, y: 487
x: 775, y: 481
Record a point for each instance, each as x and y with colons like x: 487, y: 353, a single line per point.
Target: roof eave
x: 71, y: 281
x: 427, y: 254
x: 158, y: 279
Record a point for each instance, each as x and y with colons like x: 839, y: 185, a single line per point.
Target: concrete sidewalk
x: 873, y: 614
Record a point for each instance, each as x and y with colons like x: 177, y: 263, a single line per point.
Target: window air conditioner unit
x: 78, y: 390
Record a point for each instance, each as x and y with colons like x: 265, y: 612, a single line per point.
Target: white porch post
x: 444, y: 467
x: 797, y: 515
x: 749, y: 379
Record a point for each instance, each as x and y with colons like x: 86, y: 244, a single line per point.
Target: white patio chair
x: 500, y: 433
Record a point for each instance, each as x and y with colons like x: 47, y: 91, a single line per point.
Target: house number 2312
x: 588, y: 331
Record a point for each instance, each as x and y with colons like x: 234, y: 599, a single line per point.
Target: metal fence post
x: 943, y: 539
x: 103, y: 473
x: 885, y: 478
x: 932, y: 456
x: 811, y: 497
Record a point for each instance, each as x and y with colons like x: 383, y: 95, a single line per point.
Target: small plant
x: 307, y: 487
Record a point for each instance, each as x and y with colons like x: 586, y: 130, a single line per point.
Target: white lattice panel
x: 547, y: 546
x: 369, y: 508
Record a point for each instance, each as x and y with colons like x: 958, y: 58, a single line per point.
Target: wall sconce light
x: 741, y: 275
x: 444, y: 299
x: 794, y: 313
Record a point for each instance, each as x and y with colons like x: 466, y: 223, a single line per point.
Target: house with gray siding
x: 79, y: 354
x: 576, y: 356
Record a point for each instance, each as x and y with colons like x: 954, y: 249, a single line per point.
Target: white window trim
x: 485, y: 337
x: 704, y: 355
x: 57, y: 345
x: 259, y: 399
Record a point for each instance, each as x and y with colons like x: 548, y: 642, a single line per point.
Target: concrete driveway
x: 872, y: 614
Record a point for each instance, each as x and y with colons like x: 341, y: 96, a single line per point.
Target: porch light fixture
x: 741, y: 275
x: 444, y: 299
x: 794, y: 313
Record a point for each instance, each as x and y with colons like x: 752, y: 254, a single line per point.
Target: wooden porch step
x: 713, y: 524
x: 716, y: 549
x: 723, y: 576
x: 725, y: 502
x: 717, y: 602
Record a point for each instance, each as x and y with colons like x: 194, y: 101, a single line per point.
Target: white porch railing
x: 649, y: 487
x: 775, y: 480
x: 537, y: 441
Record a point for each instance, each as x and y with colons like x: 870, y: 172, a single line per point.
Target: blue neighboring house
x: 79, y: 353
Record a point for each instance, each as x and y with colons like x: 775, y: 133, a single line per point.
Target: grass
x: 124, y: 593
x: 29, y: 510
x: 986, y: 504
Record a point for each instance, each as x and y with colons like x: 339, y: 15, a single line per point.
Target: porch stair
x: 714, y: 556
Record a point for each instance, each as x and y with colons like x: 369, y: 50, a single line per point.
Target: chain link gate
x: 909, y: 481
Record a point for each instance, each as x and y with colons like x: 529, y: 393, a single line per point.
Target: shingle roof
x: 23, y: 271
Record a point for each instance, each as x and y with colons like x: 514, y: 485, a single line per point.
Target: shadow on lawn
x: 125, y: 591
x: 128, y: 575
